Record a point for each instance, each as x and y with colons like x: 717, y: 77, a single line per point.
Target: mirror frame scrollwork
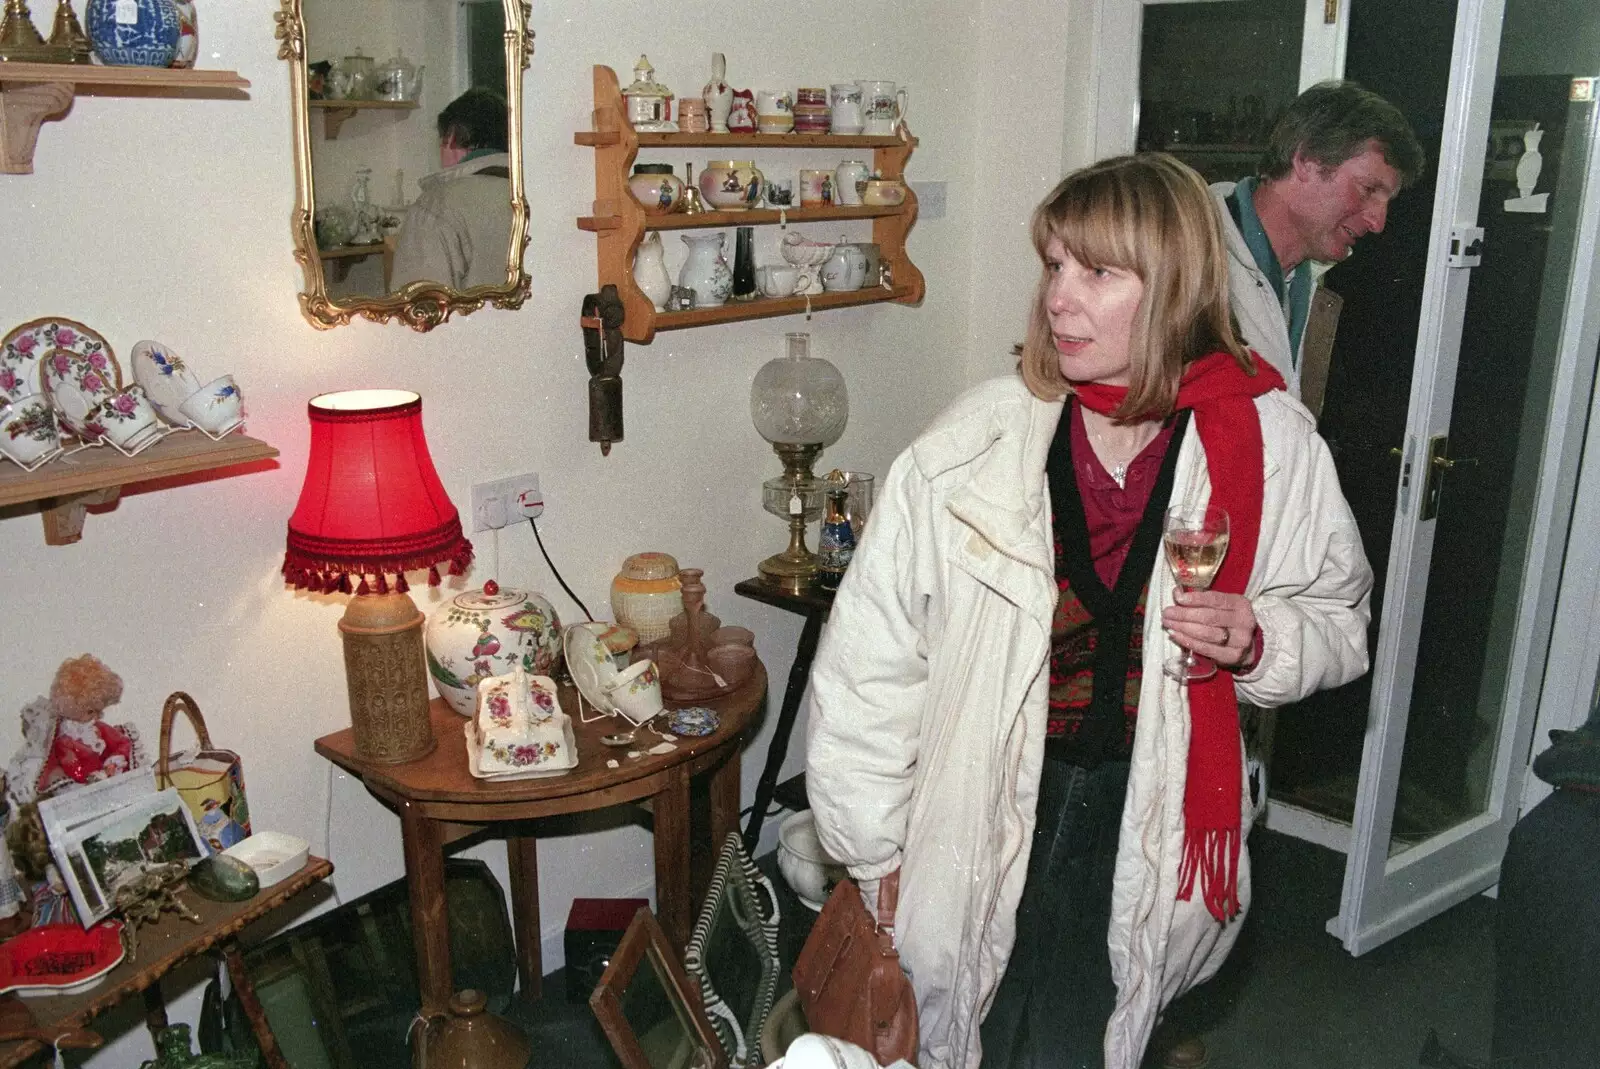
x: 420, y: 305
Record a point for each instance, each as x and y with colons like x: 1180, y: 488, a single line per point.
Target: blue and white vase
x: 134, y: 33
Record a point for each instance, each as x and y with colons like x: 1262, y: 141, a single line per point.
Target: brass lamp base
x: 795, y: 569
x: 790, y: 573
x: 388, y: 683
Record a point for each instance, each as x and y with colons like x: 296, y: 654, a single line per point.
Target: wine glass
x: 1196, y: 541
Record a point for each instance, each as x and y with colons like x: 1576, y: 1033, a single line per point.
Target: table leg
x: 253, y: 1011
x: 522, y: 855
x: 155, y: 1009
x: 430, y: 919
x: 724, y: 789
x: 778, y: 748
x: 673, y: 905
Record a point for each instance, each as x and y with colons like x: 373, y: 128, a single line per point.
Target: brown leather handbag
x: 849, y: 978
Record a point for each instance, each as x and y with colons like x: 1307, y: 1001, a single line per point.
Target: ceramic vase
x: 706, y: 270
x: 731, y: 185
x: 650, y: 271
x: 188, y: 34
x: 489, y: 632
x: 744, y: 264
x: 718, y: 95
x: 134, y: 33
x: 656, y: 188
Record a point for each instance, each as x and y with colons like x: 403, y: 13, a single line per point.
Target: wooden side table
x: 162, y: 947
x: 439, y: 801
x: 814, y: 605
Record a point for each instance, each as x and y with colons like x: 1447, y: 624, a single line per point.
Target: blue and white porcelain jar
x: 134, y: 33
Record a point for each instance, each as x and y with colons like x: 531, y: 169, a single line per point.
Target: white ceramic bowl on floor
x: 806, y: 868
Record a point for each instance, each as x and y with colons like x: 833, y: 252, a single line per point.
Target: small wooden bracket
x: 23, y: 109
x: 64, y: 516
x: 332, y: 119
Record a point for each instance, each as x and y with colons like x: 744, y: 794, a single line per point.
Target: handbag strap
x: 888, y: 899
x: 177, y: 702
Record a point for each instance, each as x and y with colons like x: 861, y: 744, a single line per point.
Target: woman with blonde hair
x: 990, y: 726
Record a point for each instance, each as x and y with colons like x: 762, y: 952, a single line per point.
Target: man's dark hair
x: 1332, y: 122
x: 475, y: 119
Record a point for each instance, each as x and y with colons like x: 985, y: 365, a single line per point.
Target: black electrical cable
x: 587, y: 614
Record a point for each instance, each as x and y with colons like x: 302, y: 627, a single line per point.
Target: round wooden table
x: 439, y: 801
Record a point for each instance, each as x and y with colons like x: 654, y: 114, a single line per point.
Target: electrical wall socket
x: 506, y: 501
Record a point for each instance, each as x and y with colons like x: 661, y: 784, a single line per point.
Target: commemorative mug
x: 883, y: 108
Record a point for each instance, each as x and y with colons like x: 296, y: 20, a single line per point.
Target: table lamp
x: 798, y: 403
x: 372, y: 507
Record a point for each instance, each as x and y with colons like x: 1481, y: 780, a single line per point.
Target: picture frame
x: 647, y: 1008
x: 94, y: 858
x: 732, y: 955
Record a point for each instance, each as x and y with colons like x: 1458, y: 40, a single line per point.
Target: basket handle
x: 178, y: 701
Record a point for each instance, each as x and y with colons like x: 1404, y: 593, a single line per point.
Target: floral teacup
x: 215, y: 408
x: 127, y: 420
x: 28, y: 432
x: 636, y: 692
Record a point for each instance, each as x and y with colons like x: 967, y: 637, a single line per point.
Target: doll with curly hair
x: 65, y: 739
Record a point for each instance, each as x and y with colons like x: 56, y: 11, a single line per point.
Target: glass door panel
x: 1213, y: 78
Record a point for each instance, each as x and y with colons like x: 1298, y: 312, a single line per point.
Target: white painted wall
x: 166, y: 219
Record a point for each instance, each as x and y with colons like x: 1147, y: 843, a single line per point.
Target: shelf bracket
x: 332, y: 119
x: 23, y: 108
x: 64, y: 516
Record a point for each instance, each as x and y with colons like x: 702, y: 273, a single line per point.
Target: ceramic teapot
x: 397, y: 79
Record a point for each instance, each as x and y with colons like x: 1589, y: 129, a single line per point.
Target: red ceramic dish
x: 59, y: 959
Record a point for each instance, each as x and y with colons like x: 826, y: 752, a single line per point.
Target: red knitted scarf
x: 1222, y: 397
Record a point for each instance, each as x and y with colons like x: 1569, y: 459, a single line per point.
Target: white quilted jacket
x: 927, y: 702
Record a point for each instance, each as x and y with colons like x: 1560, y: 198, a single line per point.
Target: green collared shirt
x: 1294, y: 291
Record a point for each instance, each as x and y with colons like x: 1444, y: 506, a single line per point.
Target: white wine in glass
x: 1196, y: 541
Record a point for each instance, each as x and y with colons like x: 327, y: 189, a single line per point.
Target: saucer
x: 166, y: 378
x: 76, y: 384
x: 22, y: 353
x: 696, y: 720
x: 590, y: 665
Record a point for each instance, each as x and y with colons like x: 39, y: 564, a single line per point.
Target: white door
x: 1489, y: 468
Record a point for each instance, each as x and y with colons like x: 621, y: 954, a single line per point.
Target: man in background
x: 458, y: 231
x: 1334, y: 161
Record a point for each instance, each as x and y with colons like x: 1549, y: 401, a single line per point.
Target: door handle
x: 1438, y: 464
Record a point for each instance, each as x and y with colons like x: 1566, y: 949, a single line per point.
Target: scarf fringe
x: 1213, y: 857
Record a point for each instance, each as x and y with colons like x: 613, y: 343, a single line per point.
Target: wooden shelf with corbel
x: 335, y: 112
x: 67, y: 486
x: 619, y: 222
x: 30, y: 93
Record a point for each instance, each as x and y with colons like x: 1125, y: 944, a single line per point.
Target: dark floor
x: 1290, y: 997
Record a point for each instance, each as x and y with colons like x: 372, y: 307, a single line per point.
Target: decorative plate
x: 166, y: 378
x: 59, y: 959
x: 590, y: 664
x: 22, y: 351
x: 694, y: 720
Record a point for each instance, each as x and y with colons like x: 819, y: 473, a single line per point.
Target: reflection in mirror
x: 733, y: 953
x: 644, y: 1004
x: 410, y: 198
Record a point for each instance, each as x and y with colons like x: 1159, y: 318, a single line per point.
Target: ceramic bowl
x: 731, y: 185
x: 656, y: 188
x: 214, y: 409
x: 695, y: 720
x: 167, y: 380
x: 883, y: 193
x: 801, y: 251
x: 816, y: 1051
x: 806, y: 868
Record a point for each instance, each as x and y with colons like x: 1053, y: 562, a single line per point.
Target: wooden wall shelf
x: 619, y: 222
x: 66, y: 486
x: 335, y: 112
x: 30, y: 93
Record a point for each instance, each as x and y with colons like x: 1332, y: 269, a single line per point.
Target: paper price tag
x: 127, y: 12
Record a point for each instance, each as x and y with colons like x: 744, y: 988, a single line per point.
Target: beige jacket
x: 928, y: 698
x: 458, y: 231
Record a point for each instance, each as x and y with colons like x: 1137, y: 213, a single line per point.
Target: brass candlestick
x: 68, y: 33
x: 20, y: 41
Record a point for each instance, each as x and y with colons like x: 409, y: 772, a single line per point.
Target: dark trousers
x: 1053, y: 1003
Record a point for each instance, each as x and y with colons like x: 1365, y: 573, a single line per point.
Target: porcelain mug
x: 635, y: 692
x: 774, y: 111
x: 781, y: 280
x: 883, y: 108
x: 816, y: 189
x: 215, y: 408
x: 844, y: 98
x: 127, y: 420
x: 28, y: 432
x: 846, y: 269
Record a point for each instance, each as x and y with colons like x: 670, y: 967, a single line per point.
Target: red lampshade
x: 372, y: 503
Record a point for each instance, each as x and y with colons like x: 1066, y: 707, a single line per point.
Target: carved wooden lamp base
x: 388, y: 681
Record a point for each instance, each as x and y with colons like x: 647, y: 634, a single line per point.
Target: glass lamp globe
x: 798, y: 402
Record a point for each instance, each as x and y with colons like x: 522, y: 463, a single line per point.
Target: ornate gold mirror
x: 409, y: 197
